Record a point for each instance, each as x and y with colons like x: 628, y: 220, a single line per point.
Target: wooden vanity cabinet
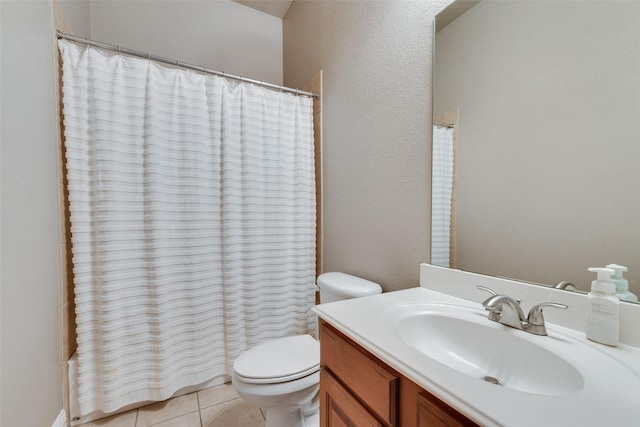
x: 359, y: 390
x: 347, y: 369
x: 432, y: 412
x: 339, y: 407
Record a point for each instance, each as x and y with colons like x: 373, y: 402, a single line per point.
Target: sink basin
x: 447, y: 346
x: 464, y: 339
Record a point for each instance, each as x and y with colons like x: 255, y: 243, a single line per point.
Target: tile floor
x: 218, y: 406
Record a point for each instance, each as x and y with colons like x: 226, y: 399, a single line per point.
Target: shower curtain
x: 192, y: 204
x: 441, y: 195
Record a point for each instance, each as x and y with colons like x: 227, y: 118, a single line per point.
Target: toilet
x: 282, y: 376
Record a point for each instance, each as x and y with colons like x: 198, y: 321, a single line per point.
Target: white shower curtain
x: 192, y: 202
x: 441, y: 195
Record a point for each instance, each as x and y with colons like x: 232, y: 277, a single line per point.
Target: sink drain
x: 491, y: 380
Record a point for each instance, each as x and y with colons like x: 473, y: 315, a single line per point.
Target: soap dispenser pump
x: 603, y: 309
x: 622, y: 285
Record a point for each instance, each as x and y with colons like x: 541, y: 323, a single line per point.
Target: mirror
x: 542, y: 104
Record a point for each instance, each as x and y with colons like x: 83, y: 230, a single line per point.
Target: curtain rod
x: 443, y: 124
x: 157, y: 58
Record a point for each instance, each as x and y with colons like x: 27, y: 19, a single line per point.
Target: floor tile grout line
x: 172, y: 418
x: 199, y: 407
x: 137, y: 419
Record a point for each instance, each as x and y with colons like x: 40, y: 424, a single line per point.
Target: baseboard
x: 61, y: 420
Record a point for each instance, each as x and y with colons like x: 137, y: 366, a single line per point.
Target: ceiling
x: 277, y: 8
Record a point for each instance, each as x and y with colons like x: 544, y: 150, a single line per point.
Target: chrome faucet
x: 567, y: 286
x: 506, y: 310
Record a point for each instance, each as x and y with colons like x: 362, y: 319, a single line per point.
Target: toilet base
x: 291, y: 417
x: 307, y: 416
x: 312, y: 420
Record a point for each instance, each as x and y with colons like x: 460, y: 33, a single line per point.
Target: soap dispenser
x: 603, y: 309
x: 622, y: 285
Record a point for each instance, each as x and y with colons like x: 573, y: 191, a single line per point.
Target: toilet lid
x: 279, y: 360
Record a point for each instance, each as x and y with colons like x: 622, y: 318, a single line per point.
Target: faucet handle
x: 494, y: 313
x: 494, y: 293
x: 535, y: 319
x: 484, y: 288
x: 535, y: 316
x: 566, y: 285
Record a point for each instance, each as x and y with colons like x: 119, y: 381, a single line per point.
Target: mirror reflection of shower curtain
x: 192, y: 202
x: 441, y: 195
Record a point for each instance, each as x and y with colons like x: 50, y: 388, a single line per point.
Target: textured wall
x: 222, y: 35
x: 376, y: 62
x: 31, y: 387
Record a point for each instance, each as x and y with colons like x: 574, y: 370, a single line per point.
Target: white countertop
x: 603, y: 400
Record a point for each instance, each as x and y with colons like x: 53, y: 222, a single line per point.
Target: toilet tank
x: 336, y: 286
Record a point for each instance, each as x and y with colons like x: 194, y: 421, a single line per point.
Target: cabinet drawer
x: 375, y: 385
x: 340, y: 408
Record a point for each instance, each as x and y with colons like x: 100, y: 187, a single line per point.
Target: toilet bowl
x: 282, y: 376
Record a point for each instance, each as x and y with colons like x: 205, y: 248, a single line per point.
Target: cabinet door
x: 434, y: 413
x: 367, y: 378
x: 338, y: 408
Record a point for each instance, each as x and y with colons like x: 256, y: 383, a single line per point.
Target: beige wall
x: 30, y: 335
x: 73, y: 16
x: 376, y: 62
x: 222, y: 35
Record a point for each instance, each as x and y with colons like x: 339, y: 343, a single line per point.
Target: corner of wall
x: 78, y: 17
x: 315, y: 85
x: 61, y: 420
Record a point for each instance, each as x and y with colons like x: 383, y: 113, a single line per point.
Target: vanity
x: 357, y: 388
x: 429, y: 356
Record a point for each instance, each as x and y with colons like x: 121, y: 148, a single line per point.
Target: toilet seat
x: 279, y: 360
